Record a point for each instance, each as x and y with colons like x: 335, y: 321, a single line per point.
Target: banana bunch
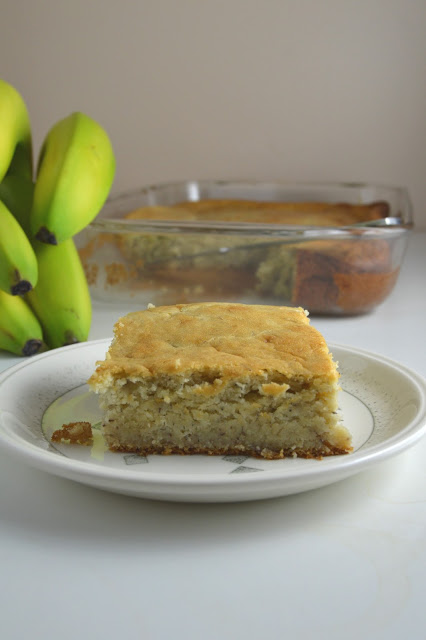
x: 44, y: 296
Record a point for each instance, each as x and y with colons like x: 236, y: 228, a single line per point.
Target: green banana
x: 74, y: 176
x: 18, y: 263
x: 16, y: 192
x: 61, y: 299
x: 15, y: 133
x: 20, y: 330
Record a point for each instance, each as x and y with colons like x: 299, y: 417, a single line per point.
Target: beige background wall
x: 279, y: 89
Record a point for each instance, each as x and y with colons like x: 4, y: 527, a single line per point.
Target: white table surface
x: 345, y: 561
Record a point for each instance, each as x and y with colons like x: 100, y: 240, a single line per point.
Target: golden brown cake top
x: 227, y: 340
x: 252, y: 211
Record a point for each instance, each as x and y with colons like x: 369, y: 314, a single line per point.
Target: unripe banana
x: 18, y: 263
x: 15, y: 133
x: 61, y: 299
x: 74, y: 176
x: 20, y: 331
x: 16, y: 192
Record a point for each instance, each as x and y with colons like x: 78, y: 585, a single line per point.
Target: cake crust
x: 265, y: 454
x: 298, y: 213
x: 232, y: 339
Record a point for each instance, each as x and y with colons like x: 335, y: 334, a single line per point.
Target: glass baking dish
x: 330, y: 248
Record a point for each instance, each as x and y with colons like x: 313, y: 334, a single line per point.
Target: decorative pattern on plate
x: 133, y: 458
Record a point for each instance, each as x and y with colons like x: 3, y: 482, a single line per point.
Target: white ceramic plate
x: 383, y: 406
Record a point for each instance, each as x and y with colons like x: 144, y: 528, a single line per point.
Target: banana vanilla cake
x: 219, y: 378
x: 338, y: 275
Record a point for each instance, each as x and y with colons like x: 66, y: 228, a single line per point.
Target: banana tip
x: 31, y: 347
x: 70, y: 338
x: 21, y: 287
x: 44, y: 235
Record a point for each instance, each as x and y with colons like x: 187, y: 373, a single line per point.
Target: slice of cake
x: 218, y: 378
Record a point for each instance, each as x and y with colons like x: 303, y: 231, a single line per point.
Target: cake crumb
x: 74, y: 433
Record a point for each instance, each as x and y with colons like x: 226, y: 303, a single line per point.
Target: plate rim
x: 342, y: 465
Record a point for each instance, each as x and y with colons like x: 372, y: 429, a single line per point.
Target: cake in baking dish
x: 219, y: 378
x: 153, y: 247
x: 335, y: 275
